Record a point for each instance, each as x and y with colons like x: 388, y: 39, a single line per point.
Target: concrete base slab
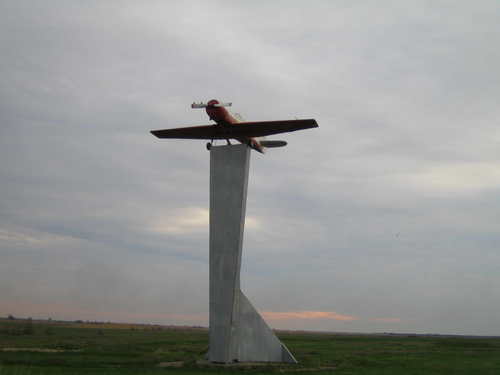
x: 237, y: 331
x: 249, y: 365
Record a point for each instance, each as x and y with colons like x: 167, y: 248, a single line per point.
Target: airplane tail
x: 272, y: 144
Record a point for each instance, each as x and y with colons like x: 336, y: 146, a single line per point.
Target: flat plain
x: 50, y: 347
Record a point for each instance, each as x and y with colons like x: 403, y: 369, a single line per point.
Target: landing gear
x: 209, y: 145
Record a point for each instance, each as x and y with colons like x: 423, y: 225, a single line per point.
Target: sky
x: 384, y: 219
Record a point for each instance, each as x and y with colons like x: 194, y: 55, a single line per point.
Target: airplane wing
x: 191, y: 132
x: 238, y: 130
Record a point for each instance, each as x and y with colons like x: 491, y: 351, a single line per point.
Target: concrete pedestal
x: 237, y: 331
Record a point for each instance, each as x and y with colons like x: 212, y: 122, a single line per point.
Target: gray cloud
x: 386, y: 211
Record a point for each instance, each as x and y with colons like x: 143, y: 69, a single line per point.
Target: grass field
x: 42, y: 347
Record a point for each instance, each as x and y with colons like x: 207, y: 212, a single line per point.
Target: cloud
x: 387, y: 320
x: 191, y: 220
x: 394, y: 191
x: 182, y: 221
x: 457, y: 178
x: 24, y: 238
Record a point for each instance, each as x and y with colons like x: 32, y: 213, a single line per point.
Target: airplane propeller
x: 205, y: 105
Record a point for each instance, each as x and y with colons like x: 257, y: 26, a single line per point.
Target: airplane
x: 229, y: 127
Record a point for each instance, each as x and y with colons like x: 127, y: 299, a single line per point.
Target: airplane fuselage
x: 223, y: 118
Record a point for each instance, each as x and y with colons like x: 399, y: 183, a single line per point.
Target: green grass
x: 127, y: 349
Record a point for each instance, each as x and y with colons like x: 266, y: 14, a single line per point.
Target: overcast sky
x: 386, y: 218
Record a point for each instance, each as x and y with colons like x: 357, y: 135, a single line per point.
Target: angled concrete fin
x: 255, y: 340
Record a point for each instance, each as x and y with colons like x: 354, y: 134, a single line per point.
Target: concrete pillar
x: 237, y: 331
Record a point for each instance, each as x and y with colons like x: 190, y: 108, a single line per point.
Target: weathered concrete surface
x: 237, y: 331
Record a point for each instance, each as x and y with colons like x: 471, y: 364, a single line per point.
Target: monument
x: 237, y: 331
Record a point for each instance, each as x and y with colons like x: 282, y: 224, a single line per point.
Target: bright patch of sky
x: 383, y: 219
